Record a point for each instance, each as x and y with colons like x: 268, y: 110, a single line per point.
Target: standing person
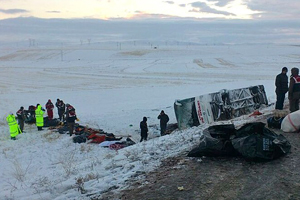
x: 70, y: 118
x: 13, y: 126
x: 21, y: 118
x: 164, y: 118
x: 144, y: 129
x: 57, y: 105
x: 61, y: 110
x: 39, y: 117
x: 294, y: 90
x: 49, y: 107
x: 281, y: 83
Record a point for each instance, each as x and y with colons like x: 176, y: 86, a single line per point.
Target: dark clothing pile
x: 30, y: 114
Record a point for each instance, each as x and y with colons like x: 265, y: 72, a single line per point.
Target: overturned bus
x: 222, y: 105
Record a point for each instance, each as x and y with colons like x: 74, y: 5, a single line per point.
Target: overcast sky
x: 158, y: 9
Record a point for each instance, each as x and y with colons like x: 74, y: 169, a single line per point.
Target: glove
x: 77, y: 119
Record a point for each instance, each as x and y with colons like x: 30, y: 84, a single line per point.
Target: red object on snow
x: 97, y: 138
x: 255, y: 113
x: 116, y: 146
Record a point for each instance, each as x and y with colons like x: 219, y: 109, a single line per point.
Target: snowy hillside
x: 113, y: 86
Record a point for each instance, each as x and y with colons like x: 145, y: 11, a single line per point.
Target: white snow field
x: 113, y: 85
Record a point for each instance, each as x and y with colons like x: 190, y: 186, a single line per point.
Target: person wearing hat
x: 164, y: 118
x: 21, y: 118
x: 13, y: 126
x: 70, y: 118
x: 49, y: 107
x: 144, y: 129
x: 281, y: 84
x: 61, y: 107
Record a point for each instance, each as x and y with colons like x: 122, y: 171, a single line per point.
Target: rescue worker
x: 281, y: 83
x: 70, y: 118
x: 144, y: 129
x: 294, y: 90
x: 13, y: 126
x: 61, y: 107
x: 49, y: 107
x: 39, y: 117
x: 164, y: 118
x: 21, y: 118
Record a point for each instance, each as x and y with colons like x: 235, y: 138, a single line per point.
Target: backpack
x: 274, y: 122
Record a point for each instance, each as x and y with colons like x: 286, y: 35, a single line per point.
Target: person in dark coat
x: 57, y: 105
x: 144, y: 129
x: 21, y: 118
x: 294, y: 90
x: 70, y: 118
x: 164, y: 118
x: 281, y: 83
x: 61, y: 107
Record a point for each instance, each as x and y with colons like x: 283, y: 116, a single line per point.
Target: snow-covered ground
x: 113, y: 86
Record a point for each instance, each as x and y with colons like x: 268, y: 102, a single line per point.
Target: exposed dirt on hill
x: 220, y: 178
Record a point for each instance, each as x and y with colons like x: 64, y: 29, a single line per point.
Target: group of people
x: 163, y: 117
x: 66, y: 112
x: 292, y: 88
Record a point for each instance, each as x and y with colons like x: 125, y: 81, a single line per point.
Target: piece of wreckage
x: 223, y: 105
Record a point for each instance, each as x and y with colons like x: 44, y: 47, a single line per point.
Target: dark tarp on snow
x: 253, y: 141
x: 215, y: 141
x: 51, y: 123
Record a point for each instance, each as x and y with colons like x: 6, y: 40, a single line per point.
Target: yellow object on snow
x: 180, y: 188
x: 77, y: 119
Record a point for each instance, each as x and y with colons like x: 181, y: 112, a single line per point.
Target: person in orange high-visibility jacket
x: 39, y: 117
x: 13, y: 126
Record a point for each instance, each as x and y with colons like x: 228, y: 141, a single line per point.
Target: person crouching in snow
x: 49, y: 108
x: 144, y: 129
x: 70, y: 117
x: 39, y: 117
x: 13, y: 126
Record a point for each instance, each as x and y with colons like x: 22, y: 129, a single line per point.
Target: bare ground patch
x: 135, y: 53
x: 225, y: 62
x: 200, y: 63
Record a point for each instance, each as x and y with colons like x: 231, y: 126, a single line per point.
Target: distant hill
x: 172, y: 31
